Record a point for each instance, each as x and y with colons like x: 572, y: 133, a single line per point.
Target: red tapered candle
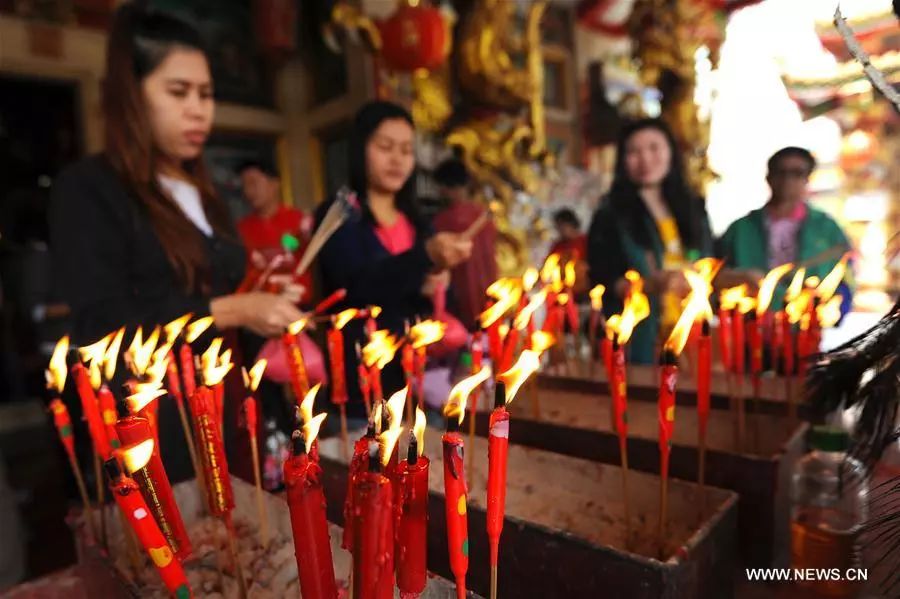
x: 619, y: 390
x: 330, y: 301
x: 788, y: 352
x: 412, y: 533
x: 455, y: 505
x: 155, y: 487
x: 498, y: 449
x: 107, y: 405
x: 219, y: 495
x: 704, y: 373
x: 754, y: 337
x: 738, y: 355
x: 91, y: 410
x: 173, y: 384
x: 188, y: 373
x: 668, y: 376
x: 134, y: 508
x: 509, y: 349
x: 335, y: 339
x: 359, y: 463
x: 725, y: 338
x: 299, y: 380
x: 373, y: 535
x: 312, y: 543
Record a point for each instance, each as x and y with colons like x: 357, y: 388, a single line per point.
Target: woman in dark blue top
x: 388, y: 256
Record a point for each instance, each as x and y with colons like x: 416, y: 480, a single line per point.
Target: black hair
x: 155, y: 33
x: 567, y: 216
x: 792, y: 151
x: 452, y: 173
x: 263, y: 167
x: 624, y: 197
x: 366, y: 122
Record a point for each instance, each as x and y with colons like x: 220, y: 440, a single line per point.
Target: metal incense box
x: 564, y: 533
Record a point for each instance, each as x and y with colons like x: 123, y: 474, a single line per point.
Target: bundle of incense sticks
x: 344, y: 206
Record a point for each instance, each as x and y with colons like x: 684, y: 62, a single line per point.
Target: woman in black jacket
x: 138, y: 235
x: 388, y: 257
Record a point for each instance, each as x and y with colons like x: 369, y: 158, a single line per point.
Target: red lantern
x: 414, y: 37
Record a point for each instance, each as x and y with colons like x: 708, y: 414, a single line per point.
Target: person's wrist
x: 224, y: 311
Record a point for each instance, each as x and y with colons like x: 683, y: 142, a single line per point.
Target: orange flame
x: 111, y: 355
x: 562, y: 299
x: 832, y: 280
x: 156, y: 372
x: 528, y: 363
x: 530, y: 278
x: 341, y: 319
x: 767, y: 287
x: 311, y: 430
x: 135, y: 457
x: 570, y: 274
x: 796, y: 286
x: 524, y: 316
x: 95, y: 351
x: 296, y: 327
x: 374, y: 311
x: 426, y: 333
x: 419, y: 431
x: 636, y: 309
x: 57, y: 369
x: 506, y: 293
x: 213, y: 367
x: 730, y: 297
x: 174, y: 328
x: 380, y: 349
x: 459, y: 394
x: 197, y: 328
x: 94, y: 374
x: 550, y: 269
x: 252, y: 379
x: 395, y: 407
x: 306, y: 406
x: 376, y: 417
x: 138, y: 401
x: 596, y: 295
x: 142, y: 352
x: 697, y: 305
x: 386, y: 442
x: 708, y: 268
x: 541, y: 341
x: 829, y: 313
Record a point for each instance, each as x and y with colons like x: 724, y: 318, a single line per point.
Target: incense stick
x: 85, y: 500
x: 98, y: 474
x: 476, y: 226
x: 623, y: 453
x: 192, y: 449
x: 232, y: 547
x: 344, y: 205
x: 260, y: 504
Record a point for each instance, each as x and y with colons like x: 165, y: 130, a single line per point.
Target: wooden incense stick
x: 493, y: 582
x: 131, y: 545
x: 238, y: 570
x: 260, y: 503
x: 85, y: 500
x: 192, y: 449
x: 476, y: 226
x: 98, y: 474
x: 663, y: 515
x: 623, y: 452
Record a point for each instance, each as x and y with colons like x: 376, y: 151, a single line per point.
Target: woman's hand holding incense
x: 447, y: 250
x: 265, y: 314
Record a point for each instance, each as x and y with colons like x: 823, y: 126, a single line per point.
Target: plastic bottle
x: 828, y: 510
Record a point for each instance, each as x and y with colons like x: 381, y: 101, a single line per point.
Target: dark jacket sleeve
x: 92, y: 235
x: 347, y: 263
x: 606, y: 257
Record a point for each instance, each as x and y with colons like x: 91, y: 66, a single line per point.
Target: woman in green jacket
x: 651, y: 222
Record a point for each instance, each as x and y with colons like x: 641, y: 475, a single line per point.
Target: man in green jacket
x: 786, y: 229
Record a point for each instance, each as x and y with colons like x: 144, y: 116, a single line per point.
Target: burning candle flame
x: 635, y: 309
x: 296, y: 327
x: 832, y: 280
x: 380, y: 349
x: 729, y: 298
x: 95, y: 375
x: 596, y: 295
x: 341, y: 319
x: 306, y: 406
x: 541, y: 341
x: 796, y: 286
x: 829, y: 313
x: 311, y: 429
x: 550, y: 269
x: 530, y: 278
x: 386, y: 442
x: 197, y: 328
x: 135, y: 457
x: 174, y: 328
x: 395, y: 407
x: 697, y: 305
x: 138, y: 401
x: 419, y: 431
x: 156, y: 372
x: 506, y: 293
x: 374, y: 311
x: 562, y: 299
x: 111, y: 355
x: 570, y: 274
x: 767, y: 287
x: 95, y: 351
x: 708, y: 268
x: 141, y: 352
x: 459, y: 394
x: 376, y: 417
x: 213, y: 368
x: 528, y: 363
x: 56, y: 369
x: 426, y: 333
x: 525, y: 315
x: 252, y: 379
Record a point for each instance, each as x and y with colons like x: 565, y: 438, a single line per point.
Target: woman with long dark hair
x: 652, y: 222
x: 388, y: 257
x: 138, y: 235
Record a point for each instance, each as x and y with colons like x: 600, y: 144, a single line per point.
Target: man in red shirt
x: 468, y: 280
x: 571, y: 243
x: 273, y: 228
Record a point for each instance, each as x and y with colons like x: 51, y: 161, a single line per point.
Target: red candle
x: 312, y: 543
x: 455, y: 504
x: 189, y: 375
x: 477, y: 349
x: 704, y: 372
x: 495, y: 343
x: 154, y: 485
x: 63, y: 426
x: 299, y: 380
x: 777, y: 341
x: 134, y: 508
x: 373, y: 534
x: 91, y: 411
x: 421, y: 359
x: 365, y: 386
x: 330, y: 301
x: 619, y: 393
x: 335, y: 340
x: 219, y: 494
x: 107, y: 404
x: 173, y: 384
x: 787, y: 352
x: 509, y: 349
x: 408, y: 363
x: 498, y: 447
x: 754, y: 336
x: 668, y: 376
x: 412, y: 535
x: 725, y: 338
x: 359, y: 463
x: 737, y: 342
